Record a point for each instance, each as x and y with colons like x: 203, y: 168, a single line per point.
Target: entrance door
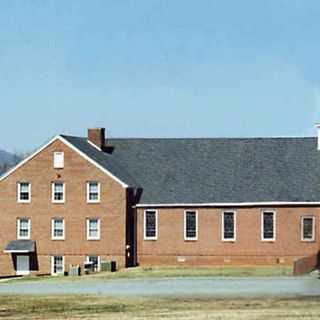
x: 23, y: 265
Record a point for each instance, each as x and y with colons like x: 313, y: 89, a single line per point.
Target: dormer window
x: 24, y: 192
x: 58, y: 160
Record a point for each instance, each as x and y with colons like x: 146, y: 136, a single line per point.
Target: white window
x: 150, y: 225
x: 24, y: 192
x: 95, y: 260
x: 268, y: 226
x: 57, y: 265
x: 58, y: 160
x: 23, y: 228
x: 93, y: 192
x: 58, y: 192
x: 57, y: 229
x: 190, y: 225
x: 228, y: 226
x: 308, y: 228
x: 93, y: 229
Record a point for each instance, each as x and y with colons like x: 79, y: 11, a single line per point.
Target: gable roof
x: 102, y: 161
x: 203, y: 171
x: 105, y: 160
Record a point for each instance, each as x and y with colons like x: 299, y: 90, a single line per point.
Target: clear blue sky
x: 158, y: 68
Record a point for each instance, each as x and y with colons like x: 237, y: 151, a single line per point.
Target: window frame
x: 145, y: 237
x: 19, y: 237
x: 53, y: 192
x: 273, y: 239
x: 313, y: 239
x: 53, y: 237
x: 234, y: 226
x: 99, y: 261
x: 19, y: 200
x: 185, y: 226
x: 90, y: 238
x: 55, y: 165
x: 88, y: 192
x: 52, y: 265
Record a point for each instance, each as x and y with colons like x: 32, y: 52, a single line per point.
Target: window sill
x: 93, y: 239
x: 268, y: 240
x: 150, y: 239
x: 58, y: 202
x: 190, y: 239
x: 93, y: 202
x: 58, y: 239
x: 308, y: 240
x: 24, y: 201
x: 229, y: 240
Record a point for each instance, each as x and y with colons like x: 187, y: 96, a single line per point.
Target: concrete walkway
x: 195, y: 287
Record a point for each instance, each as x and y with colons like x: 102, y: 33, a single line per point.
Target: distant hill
x: 5, y: 156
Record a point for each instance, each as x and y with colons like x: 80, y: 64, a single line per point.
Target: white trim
x: 234, y: 226
x: 99, y: 260
x: 56, y: 164
x: 88, y: 192
x: 63, y: 190
x: 226, y: 204
x: 94, y: 145
x: 313, y: 228
x: 274, y: 226
x: 124, y: 185
x: 19, y: 200
x: 185, y: 225
x: 53, y: 237
x: 88, y: 229
x: 70, y: 145
x: 16, y: 251
x: 52, y: 265
x: 18, y: 229
x: 20, y: 164
x: 145, y: 225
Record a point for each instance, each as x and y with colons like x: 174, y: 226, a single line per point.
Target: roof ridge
x: 198, y: 138
x: 213, y: 138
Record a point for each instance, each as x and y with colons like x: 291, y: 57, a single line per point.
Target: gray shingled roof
x: 214, y: 170
x: 20, y: 245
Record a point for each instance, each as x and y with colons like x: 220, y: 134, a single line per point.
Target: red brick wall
x: 77, y: 171
x: 209, y: 249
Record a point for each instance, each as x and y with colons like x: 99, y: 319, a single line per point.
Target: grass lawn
x: 97, y: 307
x: 173, y: 272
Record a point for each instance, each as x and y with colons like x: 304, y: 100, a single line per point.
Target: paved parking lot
x: 215, y: 287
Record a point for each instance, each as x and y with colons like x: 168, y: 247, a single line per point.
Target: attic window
x: 58, y: 160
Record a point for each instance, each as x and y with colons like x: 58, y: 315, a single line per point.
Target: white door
x: 23, y: 265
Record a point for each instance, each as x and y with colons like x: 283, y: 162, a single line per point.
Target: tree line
x: 15, y: 159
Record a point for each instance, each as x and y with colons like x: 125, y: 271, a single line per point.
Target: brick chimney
x: 97, y: 137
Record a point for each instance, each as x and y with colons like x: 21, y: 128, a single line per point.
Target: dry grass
x: 94, y: 307
x: 174, y: 272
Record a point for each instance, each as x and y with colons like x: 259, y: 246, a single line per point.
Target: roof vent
x: 96, y: 136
